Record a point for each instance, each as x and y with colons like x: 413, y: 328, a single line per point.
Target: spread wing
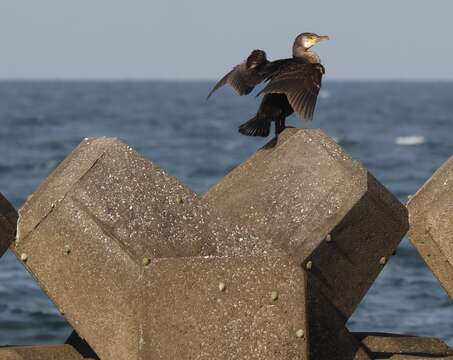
x: 300, y: 81
x: 245, y: 76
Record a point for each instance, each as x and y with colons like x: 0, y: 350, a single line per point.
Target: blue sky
x: 201, y: 39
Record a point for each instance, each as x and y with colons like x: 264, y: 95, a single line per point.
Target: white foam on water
x: 410, y: 140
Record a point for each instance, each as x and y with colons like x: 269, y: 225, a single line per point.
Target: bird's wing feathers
x: 245, y: 76
x: 300, y: 82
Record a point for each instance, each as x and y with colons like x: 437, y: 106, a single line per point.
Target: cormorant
x: 293, y: 85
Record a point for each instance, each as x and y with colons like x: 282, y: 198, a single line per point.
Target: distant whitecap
x: 410, y: 140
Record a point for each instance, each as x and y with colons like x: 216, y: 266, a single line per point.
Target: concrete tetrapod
x: 431, y: 220
x: 381, y: 345
x: 8, y: 221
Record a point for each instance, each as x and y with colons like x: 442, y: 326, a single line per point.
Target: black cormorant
x: 293, y: 85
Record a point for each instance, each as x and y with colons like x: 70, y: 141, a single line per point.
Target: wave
x: 410, y: 140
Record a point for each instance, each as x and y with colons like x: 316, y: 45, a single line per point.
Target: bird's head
x: 307, y: 40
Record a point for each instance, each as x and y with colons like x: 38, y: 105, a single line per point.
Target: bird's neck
x: 300, y: 52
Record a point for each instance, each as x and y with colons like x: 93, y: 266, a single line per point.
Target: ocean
x: 401, y: 131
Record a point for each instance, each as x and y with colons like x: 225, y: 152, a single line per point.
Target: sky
x: 202, y: 39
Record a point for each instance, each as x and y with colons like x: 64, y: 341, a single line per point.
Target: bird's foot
x: 279, y: 129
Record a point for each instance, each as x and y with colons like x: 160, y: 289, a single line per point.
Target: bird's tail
x: 256, y: 127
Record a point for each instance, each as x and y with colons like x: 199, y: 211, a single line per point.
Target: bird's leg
x: 279, y: 125
x: 283, y: 125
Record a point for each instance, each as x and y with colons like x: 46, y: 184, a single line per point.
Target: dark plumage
x: 292, y: 85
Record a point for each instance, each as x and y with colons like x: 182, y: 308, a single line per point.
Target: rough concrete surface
x: 132, y: 200
x: 305, y: 196
x: 431, y: 220
x: 44, y: 352
x: 225, y: 308
x: 8, y: 221
x: 382, y: 345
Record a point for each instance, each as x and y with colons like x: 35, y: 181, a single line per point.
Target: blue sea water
x: 401, y: 131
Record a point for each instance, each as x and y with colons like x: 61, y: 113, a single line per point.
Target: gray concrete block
x: 304, y: 196
x: 224, y: 309
x: 382, y: 345
x: 44, y: 352
x: 8, y: 221
x: 431, y: 222
x: 132, y: 200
